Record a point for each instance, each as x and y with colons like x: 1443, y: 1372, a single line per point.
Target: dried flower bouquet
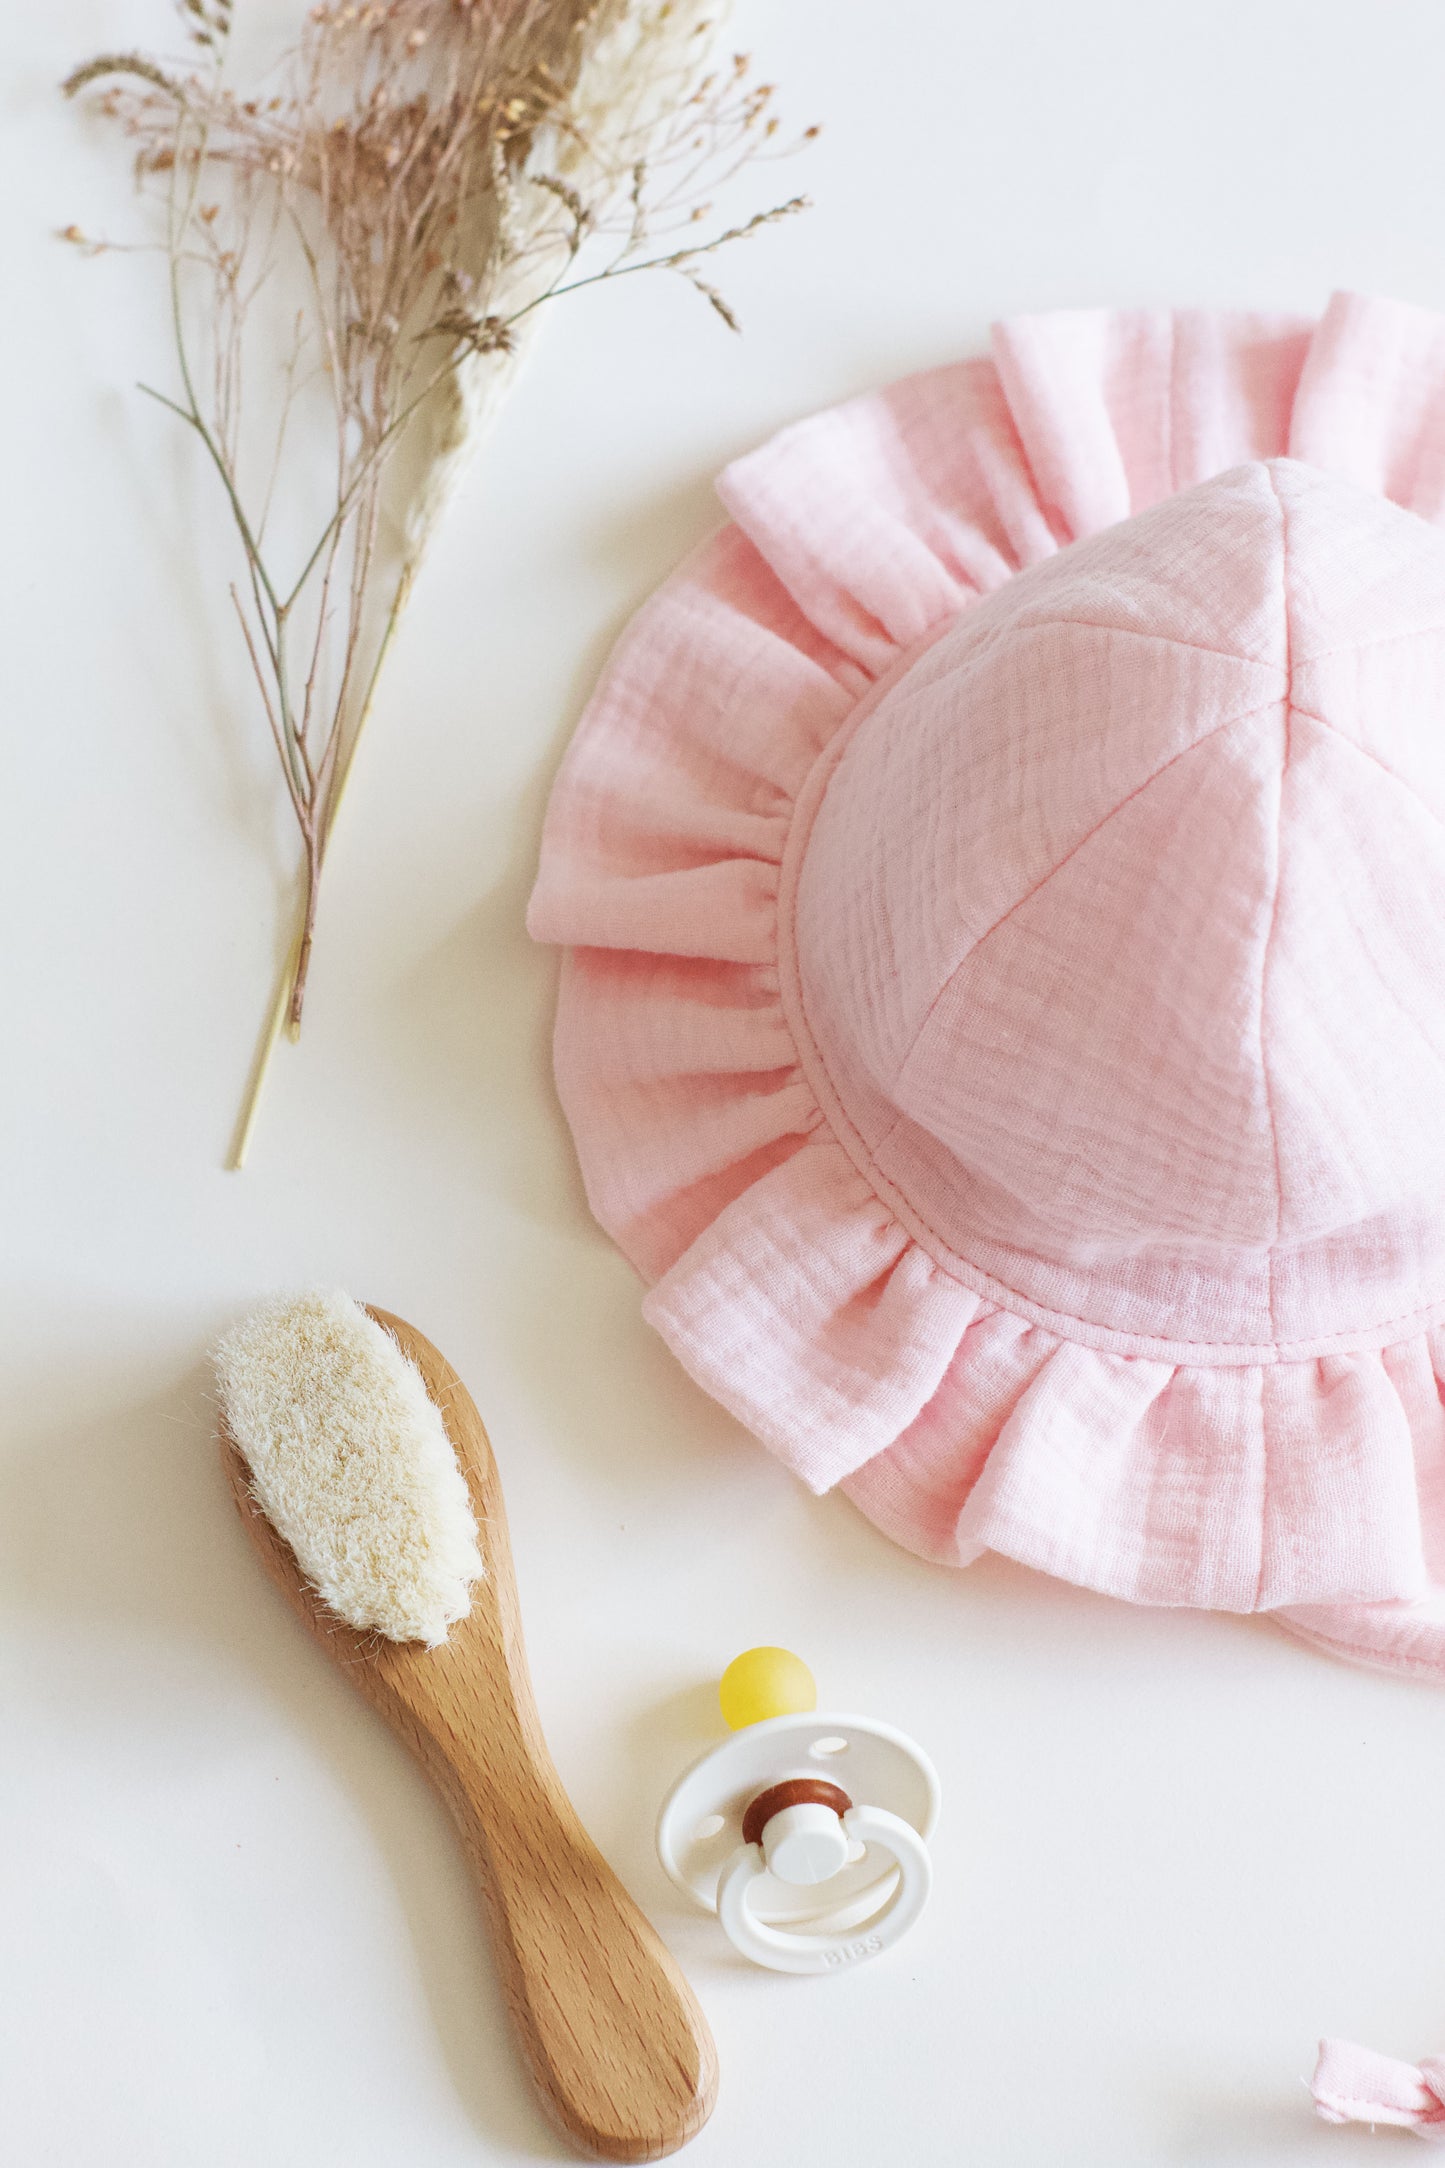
x: 378, y: 234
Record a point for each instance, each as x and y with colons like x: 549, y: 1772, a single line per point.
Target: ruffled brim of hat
x: 781, y: 1275
x: 1406, y: 1638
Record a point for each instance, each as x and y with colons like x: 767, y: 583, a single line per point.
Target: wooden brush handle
x: 621, y: 2054
x: 618, y: 2048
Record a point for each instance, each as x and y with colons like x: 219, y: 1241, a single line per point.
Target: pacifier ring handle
x: 784, y: 1952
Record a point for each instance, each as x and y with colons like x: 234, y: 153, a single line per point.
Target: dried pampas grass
x: 424, y: 179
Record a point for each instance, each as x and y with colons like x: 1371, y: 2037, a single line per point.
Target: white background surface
x: 236, y: 1928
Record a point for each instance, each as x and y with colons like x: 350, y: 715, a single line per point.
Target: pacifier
x: 806, y: 1834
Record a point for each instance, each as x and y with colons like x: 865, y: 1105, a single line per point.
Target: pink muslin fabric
x: 1355, y: 2085
x: 1002, y: 877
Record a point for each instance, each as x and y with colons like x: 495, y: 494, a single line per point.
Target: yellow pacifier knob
x: 762, y: 1683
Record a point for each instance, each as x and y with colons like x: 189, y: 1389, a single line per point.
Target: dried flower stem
x: 432, y: 173
x: 281, y: 1014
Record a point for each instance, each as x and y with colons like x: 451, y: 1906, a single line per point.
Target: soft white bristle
x: 351, y: 1462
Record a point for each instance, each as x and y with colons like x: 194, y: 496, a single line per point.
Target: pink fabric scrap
x: 1003, y: 882
x: 1354, y: 2085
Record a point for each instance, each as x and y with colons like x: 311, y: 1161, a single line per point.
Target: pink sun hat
x: 1003, y: 881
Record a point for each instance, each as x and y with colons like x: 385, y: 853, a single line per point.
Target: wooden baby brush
x: 316, y: 1394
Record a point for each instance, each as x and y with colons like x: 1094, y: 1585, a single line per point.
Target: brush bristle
x: 351, y: 1463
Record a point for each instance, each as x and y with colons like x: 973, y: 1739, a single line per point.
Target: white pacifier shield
x: 701, y: 1824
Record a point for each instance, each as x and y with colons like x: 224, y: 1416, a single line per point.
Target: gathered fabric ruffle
x: 781, y: 1275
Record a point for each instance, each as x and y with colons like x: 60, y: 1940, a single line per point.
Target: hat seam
x: 1138, y: 632
x: 1364, y: 647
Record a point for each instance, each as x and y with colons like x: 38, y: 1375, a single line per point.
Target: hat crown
x: 1121, y: 920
